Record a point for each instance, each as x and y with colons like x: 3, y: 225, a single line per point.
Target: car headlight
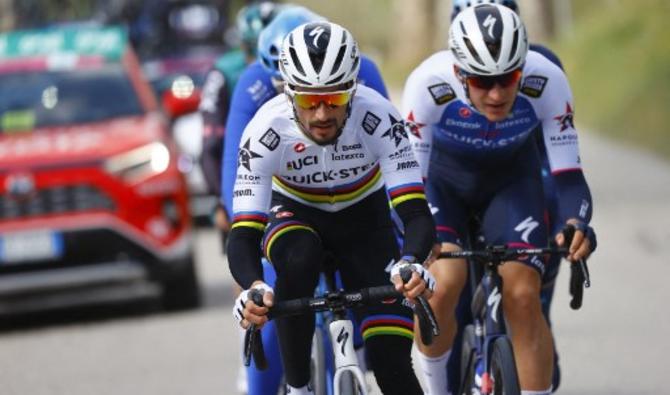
x: 144, y: 161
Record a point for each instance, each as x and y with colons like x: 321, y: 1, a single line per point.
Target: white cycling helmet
x: 459, y: 5
x: 488, y: 39
x: 319, y: 55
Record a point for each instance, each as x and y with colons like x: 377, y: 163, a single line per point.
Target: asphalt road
x: 615, y: 344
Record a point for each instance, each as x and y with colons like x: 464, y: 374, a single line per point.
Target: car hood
x: 79, y: 143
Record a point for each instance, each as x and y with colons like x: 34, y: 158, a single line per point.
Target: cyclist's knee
x: 296, y: 256
x: 521, y: 301
x: 451, y: 276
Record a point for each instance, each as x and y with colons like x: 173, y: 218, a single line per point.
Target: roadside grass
x: 617, y: 58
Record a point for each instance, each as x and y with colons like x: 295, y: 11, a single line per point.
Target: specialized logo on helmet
x: 246, y: 155
x: 316, y: 33
x: 489, y: 23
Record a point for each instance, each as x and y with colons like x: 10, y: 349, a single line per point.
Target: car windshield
x: 31, y: 100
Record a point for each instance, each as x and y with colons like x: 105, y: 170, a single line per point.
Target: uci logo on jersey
x: 302, y: 162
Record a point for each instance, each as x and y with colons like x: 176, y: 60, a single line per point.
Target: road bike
x: 347, y: 377
x: 486, y: 348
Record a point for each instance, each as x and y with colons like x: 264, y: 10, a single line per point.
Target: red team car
x: 93, y: 208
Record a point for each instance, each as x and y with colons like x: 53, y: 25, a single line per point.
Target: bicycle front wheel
x: 349, y: 385
x: 468, y: 360
x: 503, y: 368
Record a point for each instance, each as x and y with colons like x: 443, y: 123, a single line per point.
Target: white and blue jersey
x: 493, y: 168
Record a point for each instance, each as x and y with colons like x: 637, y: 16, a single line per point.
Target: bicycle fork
x: 342, y: 340
x: 489, y: 322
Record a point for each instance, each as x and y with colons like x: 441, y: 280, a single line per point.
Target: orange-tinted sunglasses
x: 312, y: 100
x: 488, y: 82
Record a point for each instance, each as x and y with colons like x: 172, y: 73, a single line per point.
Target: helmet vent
x: 472, y: 50
x: 301, y: 81
x: 316, y: 58
x: 296, y: 61
x: 515, y: 45
x: 338, y: 59
x: 335, y: 80
x: 494, y: 50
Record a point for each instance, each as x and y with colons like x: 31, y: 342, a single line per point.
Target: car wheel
x: 181, y: 289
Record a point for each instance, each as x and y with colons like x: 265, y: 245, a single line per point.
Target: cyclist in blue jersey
x: 258, y: 83
x: 551, y: 205
x: 218, y: 90
x: 474, y: 110
x: 215, y: 104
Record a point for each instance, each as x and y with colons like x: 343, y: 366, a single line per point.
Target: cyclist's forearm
x: 244, y: 255
x: 574, y: 196
x: 419, y: 228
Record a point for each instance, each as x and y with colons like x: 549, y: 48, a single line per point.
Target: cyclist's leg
x: 515, y: 217
x: 263, y: 382
x: 554, y: 261
x: 364, y: 246
x: 293, y: 247
x: 450, y: 274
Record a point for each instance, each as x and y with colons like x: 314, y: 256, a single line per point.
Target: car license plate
x: 30, y: 246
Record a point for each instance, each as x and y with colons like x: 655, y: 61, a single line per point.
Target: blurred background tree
x: 616, y: 52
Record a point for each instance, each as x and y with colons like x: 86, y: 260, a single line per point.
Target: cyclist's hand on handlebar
x: 247, y: 312
x: 421, y: 282
x: 583, y: 241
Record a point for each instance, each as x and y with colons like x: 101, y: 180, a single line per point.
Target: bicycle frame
x: 342, y: 331
x: 488, y: 317
x: 338, y: 339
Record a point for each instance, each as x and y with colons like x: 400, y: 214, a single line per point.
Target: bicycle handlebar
x: 428, y: 327
x: 580, y: 277
x: 253, y: 344
x: 332, y: 300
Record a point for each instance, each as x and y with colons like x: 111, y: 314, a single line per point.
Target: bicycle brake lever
x: 585, y: 272
x: 253, y: 343
x: 248, y: 344
x: 576, y: 286
x: 428, y: 327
